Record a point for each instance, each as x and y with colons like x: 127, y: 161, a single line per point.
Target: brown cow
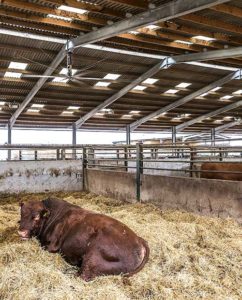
x: 98, y: 244
x: 220, y: 168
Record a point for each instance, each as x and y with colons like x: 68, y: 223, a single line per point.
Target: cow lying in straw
x: 96, y: 243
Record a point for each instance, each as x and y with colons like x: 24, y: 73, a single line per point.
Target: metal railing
x: 40, y: 152
x: 167, y: 160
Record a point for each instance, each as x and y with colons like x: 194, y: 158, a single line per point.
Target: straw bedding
x: 192, y: 257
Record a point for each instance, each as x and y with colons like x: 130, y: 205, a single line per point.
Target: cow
x: 97, y: 244
x: 221, y: 171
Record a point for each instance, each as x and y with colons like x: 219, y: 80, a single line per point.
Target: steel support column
x: 74, y: 140
x: 213, y: 136
x: 9, y: 141
x: 139, y: 170
x: 128, y: 137
x: 173, y: 135
x: 173, y: 138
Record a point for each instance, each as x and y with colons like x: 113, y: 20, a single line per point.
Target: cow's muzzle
x: 24, y: 234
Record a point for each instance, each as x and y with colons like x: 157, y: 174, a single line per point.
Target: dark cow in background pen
x: 97, y: 244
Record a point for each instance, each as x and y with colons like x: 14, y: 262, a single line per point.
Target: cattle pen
x: 145, y: 173
x: 127, y: 113
x: 192, y: 256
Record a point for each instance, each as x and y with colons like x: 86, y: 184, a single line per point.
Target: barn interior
x: 126, y: 66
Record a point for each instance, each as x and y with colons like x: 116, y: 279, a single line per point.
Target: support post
x: 35, y: 155
x: 173, y: 135
x: 213, y: 137
x: 192, y: 157
x: 91, y: 157
x: 63, y: 154
x: 156, y: 153
x: 173, y: 138
x: 126, y: 158
x: 118, y: 156
x: 9, y: 140
x: 138, y: 170
x: 84, y: 166
x: 57, y: 154
x: 128, y: 140
x: 220, y: 154
x: 141, y: 161
x: 74, y: 140
x: 152, y: 153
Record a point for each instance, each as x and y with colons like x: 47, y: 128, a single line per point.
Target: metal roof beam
x: 166, y: 63
x: 227, y: 126
x: 209, y: 55
x: 165, y: 12
x: 188, y: 98
x: 209, y: 115
x: 55, y: 63
x: 162, y: 13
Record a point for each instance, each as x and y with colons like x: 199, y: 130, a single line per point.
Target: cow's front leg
x: 55, y: 239
x: 52, y: 248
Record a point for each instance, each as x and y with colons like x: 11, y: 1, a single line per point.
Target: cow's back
x: 212, y: 170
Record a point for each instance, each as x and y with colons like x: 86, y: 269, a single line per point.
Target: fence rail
x: 167, y: 160
x: 161, y: 159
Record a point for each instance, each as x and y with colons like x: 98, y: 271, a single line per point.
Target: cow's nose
x: 23, y: 233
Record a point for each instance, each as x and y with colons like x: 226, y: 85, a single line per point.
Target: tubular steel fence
x: 167, y: 160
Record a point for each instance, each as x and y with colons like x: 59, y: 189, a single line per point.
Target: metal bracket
x: 69, y: 46
x: 239, y: 76
x: 167, y: 62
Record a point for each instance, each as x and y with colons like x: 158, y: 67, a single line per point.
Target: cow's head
x: 33, y: 215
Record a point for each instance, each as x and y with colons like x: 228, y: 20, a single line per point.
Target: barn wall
x: 207, y: 197
x: 40, y: 176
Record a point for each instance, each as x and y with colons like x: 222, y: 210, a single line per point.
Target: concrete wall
x: 115, y: 184
x: 208, y: 197
x: 40, y: 176
x: 204, y: 196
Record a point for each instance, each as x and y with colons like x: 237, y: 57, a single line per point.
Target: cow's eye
x: 36, y: 217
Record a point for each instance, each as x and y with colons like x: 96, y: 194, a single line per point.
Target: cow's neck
x: 55, y: 208
x: 53, y: 204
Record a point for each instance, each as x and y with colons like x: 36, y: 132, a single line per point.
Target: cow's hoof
x: 86, y: 277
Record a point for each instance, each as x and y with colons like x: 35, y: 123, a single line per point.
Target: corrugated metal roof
x: 98, y: 63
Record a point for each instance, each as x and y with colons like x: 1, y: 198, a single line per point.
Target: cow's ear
x: 21, y: 203
x: 45, y: 212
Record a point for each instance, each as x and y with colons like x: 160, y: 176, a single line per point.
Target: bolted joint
x: 69, y: 46
x: 239, y: 74
x: 167, y: 63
